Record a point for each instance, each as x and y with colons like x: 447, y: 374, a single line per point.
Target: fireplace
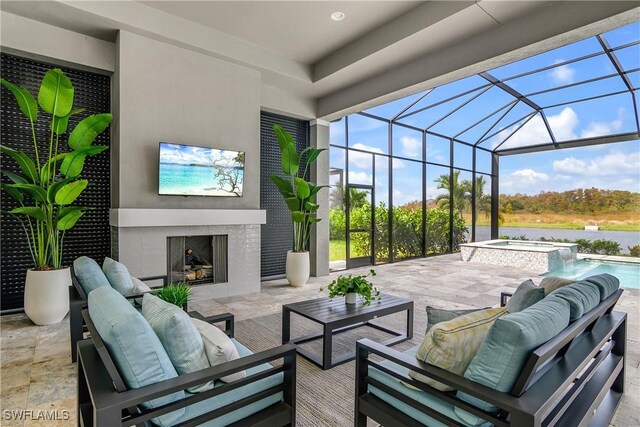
x: 197, y: 259
x: 141, y: 241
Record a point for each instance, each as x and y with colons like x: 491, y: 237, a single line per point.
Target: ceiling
x: 300, y: 30
x: 381, y: 51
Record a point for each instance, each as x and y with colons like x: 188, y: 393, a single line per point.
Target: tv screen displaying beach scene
x: 187, y: 170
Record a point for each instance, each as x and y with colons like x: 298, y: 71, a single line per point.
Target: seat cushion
x: 437, y: 315
x: 524, y: 296
x: 213, y: 403
x: 118, y: 276
x: 606, y: 283
x: 136, y: 350
x: 218, y: 347
x: 89, y: 274
x: 419, y: 396
x: 581, y: 296
x: 507, y: 346
x: 451, y: 345
x: 179, y: 337
x: 551, y: 283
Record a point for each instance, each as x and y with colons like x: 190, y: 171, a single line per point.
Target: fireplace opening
x: 197, y: 259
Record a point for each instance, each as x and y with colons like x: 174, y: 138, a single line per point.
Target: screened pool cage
x: 439, y: 150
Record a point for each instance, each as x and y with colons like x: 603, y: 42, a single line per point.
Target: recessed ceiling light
x: 338, y: 16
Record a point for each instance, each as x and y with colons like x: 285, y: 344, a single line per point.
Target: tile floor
x: 37, y: 373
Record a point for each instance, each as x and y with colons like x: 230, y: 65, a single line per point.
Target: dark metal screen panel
x: 91, y: 236
x: 277, y: 233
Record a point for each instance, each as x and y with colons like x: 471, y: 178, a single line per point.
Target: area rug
x: 324, y: 398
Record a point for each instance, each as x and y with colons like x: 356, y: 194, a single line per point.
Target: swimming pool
x: 627, y: 272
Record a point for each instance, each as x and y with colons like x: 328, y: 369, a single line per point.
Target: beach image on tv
x: 200, y: 171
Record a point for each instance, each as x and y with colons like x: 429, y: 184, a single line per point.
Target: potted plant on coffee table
x: 352, y: 286
x: 300, y: 197
x: 46, y: 188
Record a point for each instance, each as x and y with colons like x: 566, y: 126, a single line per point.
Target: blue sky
x: 185, y: 154
x: 613, y: 166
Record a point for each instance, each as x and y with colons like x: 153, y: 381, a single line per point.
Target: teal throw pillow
x: 179, y: 337
x: 524, y: 297
x: 118, y: 276
x: 89, y: 274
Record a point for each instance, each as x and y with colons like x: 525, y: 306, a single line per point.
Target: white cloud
x: 184, y: 154
x: 535, y: 132
x: 603, y: 128
x: 440, y: 159
x: 564, y: 124
x: 530, y: 176
x: 411, y: 146
x: 362, y: 160
x: 397, y: 164
x: 360, y: 178
x: 527, y: 181
x: 563, y: 74
x: 403, y: 197
x: 612, y: 164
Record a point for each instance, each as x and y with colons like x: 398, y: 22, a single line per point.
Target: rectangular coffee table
x: 335, y: 316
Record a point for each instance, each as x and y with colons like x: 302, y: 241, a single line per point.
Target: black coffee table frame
x: 335, y: 317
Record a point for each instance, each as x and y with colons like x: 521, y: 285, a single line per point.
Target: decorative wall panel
x: 91, y: 236
x: 277, y: 233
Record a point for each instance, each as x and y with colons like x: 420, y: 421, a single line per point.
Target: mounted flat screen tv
x: 187, y: 170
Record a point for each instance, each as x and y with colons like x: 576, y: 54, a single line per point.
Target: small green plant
x: 344, y: 285
x: 175, y: 293
x: 634, y: 250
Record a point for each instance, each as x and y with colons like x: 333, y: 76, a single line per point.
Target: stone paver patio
x: 37, y: 372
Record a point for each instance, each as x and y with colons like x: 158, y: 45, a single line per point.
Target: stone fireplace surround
x: 139, y: 240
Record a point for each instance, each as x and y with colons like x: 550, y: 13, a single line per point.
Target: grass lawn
x: 617, y: 221
x: 337, y: 250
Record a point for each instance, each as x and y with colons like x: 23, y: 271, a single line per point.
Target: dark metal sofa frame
x: 78, y: 302
x: 104, y: 400
x: 576, y: 378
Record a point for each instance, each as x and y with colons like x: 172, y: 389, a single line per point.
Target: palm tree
x: 357, y: 198
x: 483, y: 201
x: 458, y: 189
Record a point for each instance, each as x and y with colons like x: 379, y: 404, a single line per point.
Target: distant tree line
x: 580, y: 201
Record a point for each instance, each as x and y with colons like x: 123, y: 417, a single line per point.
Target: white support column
x: 319, y: 242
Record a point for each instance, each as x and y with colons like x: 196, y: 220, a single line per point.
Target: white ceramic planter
x: 350, y: 298
x: 297, y: 268
x: 46, y: 295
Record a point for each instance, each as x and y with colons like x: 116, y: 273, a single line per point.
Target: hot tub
x: 539, y: 257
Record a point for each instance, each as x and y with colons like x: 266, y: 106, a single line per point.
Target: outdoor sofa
x: 575, y: 378
x: 111, y: 392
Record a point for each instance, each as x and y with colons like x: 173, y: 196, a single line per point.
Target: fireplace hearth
x: 197, y: 259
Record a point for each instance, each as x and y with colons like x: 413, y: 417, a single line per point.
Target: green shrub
x: 585, y: 246
x: 337, y: 224
x: 605, y: 247
x: 634, y: 250
x: 407, y: 230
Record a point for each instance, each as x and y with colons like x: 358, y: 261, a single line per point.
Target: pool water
x: 628, y: 273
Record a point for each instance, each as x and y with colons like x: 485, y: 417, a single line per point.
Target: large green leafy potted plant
x: 300, y: 197
x: 46, y: 189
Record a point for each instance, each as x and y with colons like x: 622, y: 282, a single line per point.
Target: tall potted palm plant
x: 46, y: 189
x: 300, y: 197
